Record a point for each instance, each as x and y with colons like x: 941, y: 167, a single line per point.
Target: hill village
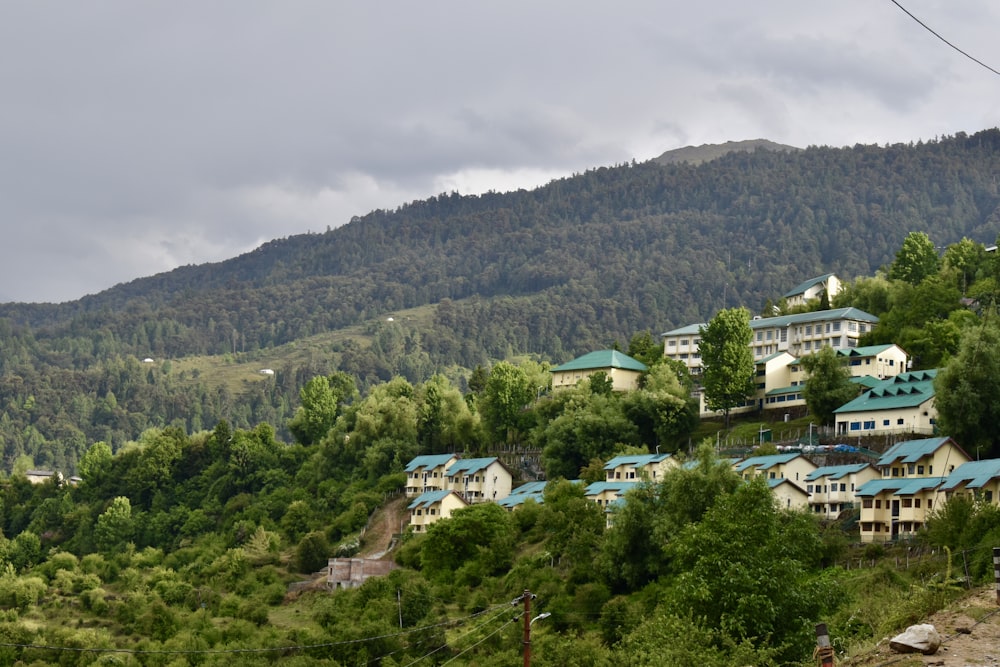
x: 895, y: 493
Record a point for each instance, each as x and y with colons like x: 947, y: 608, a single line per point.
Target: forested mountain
x: 564, y: 269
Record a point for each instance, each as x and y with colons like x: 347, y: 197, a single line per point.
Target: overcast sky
x: 136, y: 137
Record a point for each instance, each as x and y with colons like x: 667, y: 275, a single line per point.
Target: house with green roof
x: 814, y: 288
x: 927, y: 457
x: 427, y: 473
x: 637, y: 467
x: 799, y: 334
x: 479, y: 480
x: 897, y: 507
x: 791, y: 466
x: 833, y: 489
x: 432, y: 506
x: 878, y: 361
x: 900, y: 404
x: 623, y: 370
x: 975, y: 480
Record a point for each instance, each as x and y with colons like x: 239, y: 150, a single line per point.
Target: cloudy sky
x: 139, y: 136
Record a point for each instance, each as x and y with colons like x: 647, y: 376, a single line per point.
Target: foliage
x: 829, y: 384
x: 967, y: 391
x: 727, y: 360
x: 916, y: 260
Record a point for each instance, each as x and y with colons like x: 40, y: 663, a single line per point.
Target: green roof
x: 905, y: 390
x: 595, y: 361
x: 911, y: 451
x: 801, y: 289
x: 864, y: 350
x: 975, y: 474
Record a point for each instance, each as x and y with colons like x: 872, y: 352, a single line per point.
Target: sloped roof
x: 801, y: 289
x: 864, y: 350
x: 787, y: 320
x: 785, y: 390
x: 778, y: 481
x: 636, y: 461
x: 529, y: 487
x: 911, y: 451
x: 836, y: 472
x: 905, y: 390
x: 765, y: 462
x: 428, y: 498
x: 899, y: 486
x: 467, y: 466
x: 593, y: 361
x: 429, y: 461
x: 596, y: 488
x: 975, y: 474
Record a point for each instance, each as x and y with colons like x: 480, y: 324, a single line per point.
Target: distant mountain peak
x: 708, y: 152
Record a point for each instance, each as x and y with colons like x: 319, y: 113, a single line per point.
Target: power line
x: 931, y: 31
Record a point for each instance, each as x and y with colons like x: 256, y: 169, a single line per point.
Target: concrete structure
x: 976, y: 480
x: 814, y: 288
x: 432, y: 506
x: 900, y: 404
x: 479, y: 480
x: 428, y: 473
x: 798, y: 335
x: 623, y: 370
x: 638, y: 467
x: 352, y: 572
x: 792, y: 466
x: 833, y: 489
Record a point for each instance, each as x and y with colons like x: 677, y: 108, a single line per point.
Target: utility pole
x: 527, y: 627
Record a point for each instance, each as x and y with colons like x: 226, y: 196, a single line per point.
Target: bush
x: 312, y: 553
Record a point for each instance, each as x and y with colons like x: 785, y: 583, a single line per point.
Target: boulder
x: 917, y: 639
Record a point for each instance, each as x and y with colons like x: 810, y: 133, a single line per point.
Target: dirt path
x: 383, y: 526
x: 970, y: 629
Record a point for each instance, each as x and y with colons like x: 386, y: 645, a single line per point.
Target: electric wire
x: 513, y: 620
x: 445, y: 645
x: 271, y: 649
x: 933, y: 32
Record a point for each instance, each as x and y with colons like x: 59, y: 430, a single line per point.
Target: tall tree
x: 727, y: 360
x: 829, y: 384
x: 967, y: 391
x: 507, y: 392
x: 915, y: 260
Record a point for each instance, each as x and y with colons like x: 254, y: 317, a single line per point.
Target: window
x: 870, y: 425
x: 863, y: 328
x: 930, y: 504
x: 419, y: 512
x: 784, y: 335
x: 684, y: 341
x: 878, y: 504
x: 852, y: 326
x: 916, y: 503
x: 899, y: 422
x: 808, y: 345
x: 843, y: 488
x: 911, y: 468
x: 855, y: 426
x: 885, y: 422
x: 835, y: 342
x: 671, y: 343
x: 836, y: 326
x: 809, y: 488
x: 770, y: 335
x: 684, y: 355
x: 855, y: 362
x: 809, y: 329
x: 828, y: 327
x: 697, y: 341
x: 920, y: 470
x: 760, y: 336
x: 907, y: 502
x: 866, y: 503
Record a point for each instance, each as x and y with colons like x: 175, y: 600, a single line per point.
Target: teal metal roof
x: 867, y: 381
x: 836, y: 472
x: 466, y: 466
x: 595, y: 488
x: 864, y: 350
x: 898, y: 486
x: 636, y: 461
x: 778, y: 481
x: 428, y: 498
x: 771, y: 357
x: 429, y: 461
x: 801, y: 289
x: 911, y: 451
x: 689, y: 330
x: 785, y: 390
x: 529, y: 487
x: 765, y: 462
x: 974, y: 474
x: 593, y: 361
x: 905, y: 390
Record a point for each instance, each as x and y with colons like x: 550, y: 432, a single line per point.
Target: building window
x: 852, y: 326
x: 807, y: 345
x: 916, y: 503
x: 920, y: 470
x: 855, y: 426
x: 770, y: 335
x: 878, y: 504
x: 809, y: 329
x: 836, y: 326
x: 885, y: 422
x: 671, y: 343
x: 907, y: 502
x: 870, y: 425
x: 760, y: 336
x: 784, y: 335
x: 866, y: 503
x: 835, y: 342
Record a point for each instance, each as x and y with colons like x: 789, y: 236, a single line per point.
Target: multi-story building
x: 635, y: 468
x: 432, y: 506
x: 792, y: 466
x: 479, y: 480
x: 428, y: 473
x: 903, y: 403
x: 833, y: 489
x: 799, y: 335
x: 814, y: 288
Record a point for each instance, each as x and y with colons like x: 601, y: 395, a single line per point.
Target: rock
x: 917, y: 639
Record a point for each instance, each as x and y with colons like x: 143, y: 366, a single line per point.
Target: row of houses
x: 895, y: 495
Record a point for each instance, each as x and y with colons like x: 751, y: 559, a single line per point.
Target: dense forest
x: 200, y: 498
x: 577, y: 265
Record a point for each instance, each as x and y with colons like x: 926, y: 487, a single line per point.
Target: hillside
x: 708, y: 152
